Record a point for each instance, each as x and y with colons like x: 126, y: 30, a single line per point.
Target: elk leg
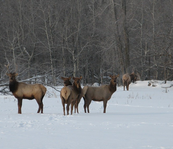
x: 88, y: 103
x: 88, y: 109
x: 127, y: 86
x: 19, y: 106
x: 63, y: 104
x: 41, y: 105
x: 76, y: 106
x: 78, y: 101
x: 74, y: 103
x: 71, y: 108
x: 104, y: 105
x: 84, y: 106
x: 40, y: 108
x: 67, y: 109
x: 68, y: 104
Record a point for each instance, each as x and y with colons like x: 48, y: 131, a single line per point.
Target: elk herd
x: 70, y: 94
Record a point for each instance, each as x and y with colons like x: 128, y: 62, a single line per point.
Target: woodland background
x: 89, y: 38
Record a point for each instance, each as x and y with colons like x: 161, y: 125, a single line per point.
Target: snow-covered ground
x: 141, y: 118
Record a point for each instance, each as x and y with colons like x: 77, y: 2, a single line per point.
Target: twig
x: 52, y: 87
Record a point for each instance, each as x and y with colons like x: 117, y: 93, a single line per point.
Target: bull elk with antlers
x: 22, y: 91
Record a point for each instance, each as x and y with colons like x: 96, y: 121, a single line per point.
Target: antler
x: 8, y: 73
x: 7, y: 66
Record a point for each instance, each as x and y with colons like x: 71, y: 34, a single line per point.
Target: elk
x: 70, y: 94
x: 127, y: 79
x: 22, y: 91
x: 102, y: 93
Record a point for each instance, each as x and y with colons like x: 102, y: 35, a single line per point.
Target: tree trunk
x: 118, y: 44
x: 126, y: 37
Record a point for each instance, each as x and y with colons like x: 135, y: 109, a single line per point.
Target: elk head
x: 12, y: 76
x: 77, y: 81
x: 66, y: 81
x: 114, y: 79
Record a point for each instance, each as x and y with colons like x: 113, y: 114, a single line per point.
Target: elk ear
x: 117, y: 76
x: 16, y: 74
x: 62, y: 78
x: 7, y: 74
x: 80, y: 77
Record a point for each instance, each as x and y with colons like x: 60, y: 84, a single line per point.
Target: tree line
x: 88, y: 38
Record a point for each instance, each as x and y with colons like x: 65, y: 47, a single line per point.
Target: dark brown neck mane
x: 13, y: 85
x: 112, y: 87
x: 77, y: 89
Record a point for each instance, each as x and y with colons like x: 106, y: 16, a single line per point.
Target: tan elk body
x: 102, y: 93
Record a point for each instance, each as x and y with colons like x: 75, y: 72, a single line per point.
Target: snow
x: 141, y: 118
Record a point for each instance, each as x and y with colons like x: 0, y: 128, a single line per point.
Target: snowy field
x: 141, y: 118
